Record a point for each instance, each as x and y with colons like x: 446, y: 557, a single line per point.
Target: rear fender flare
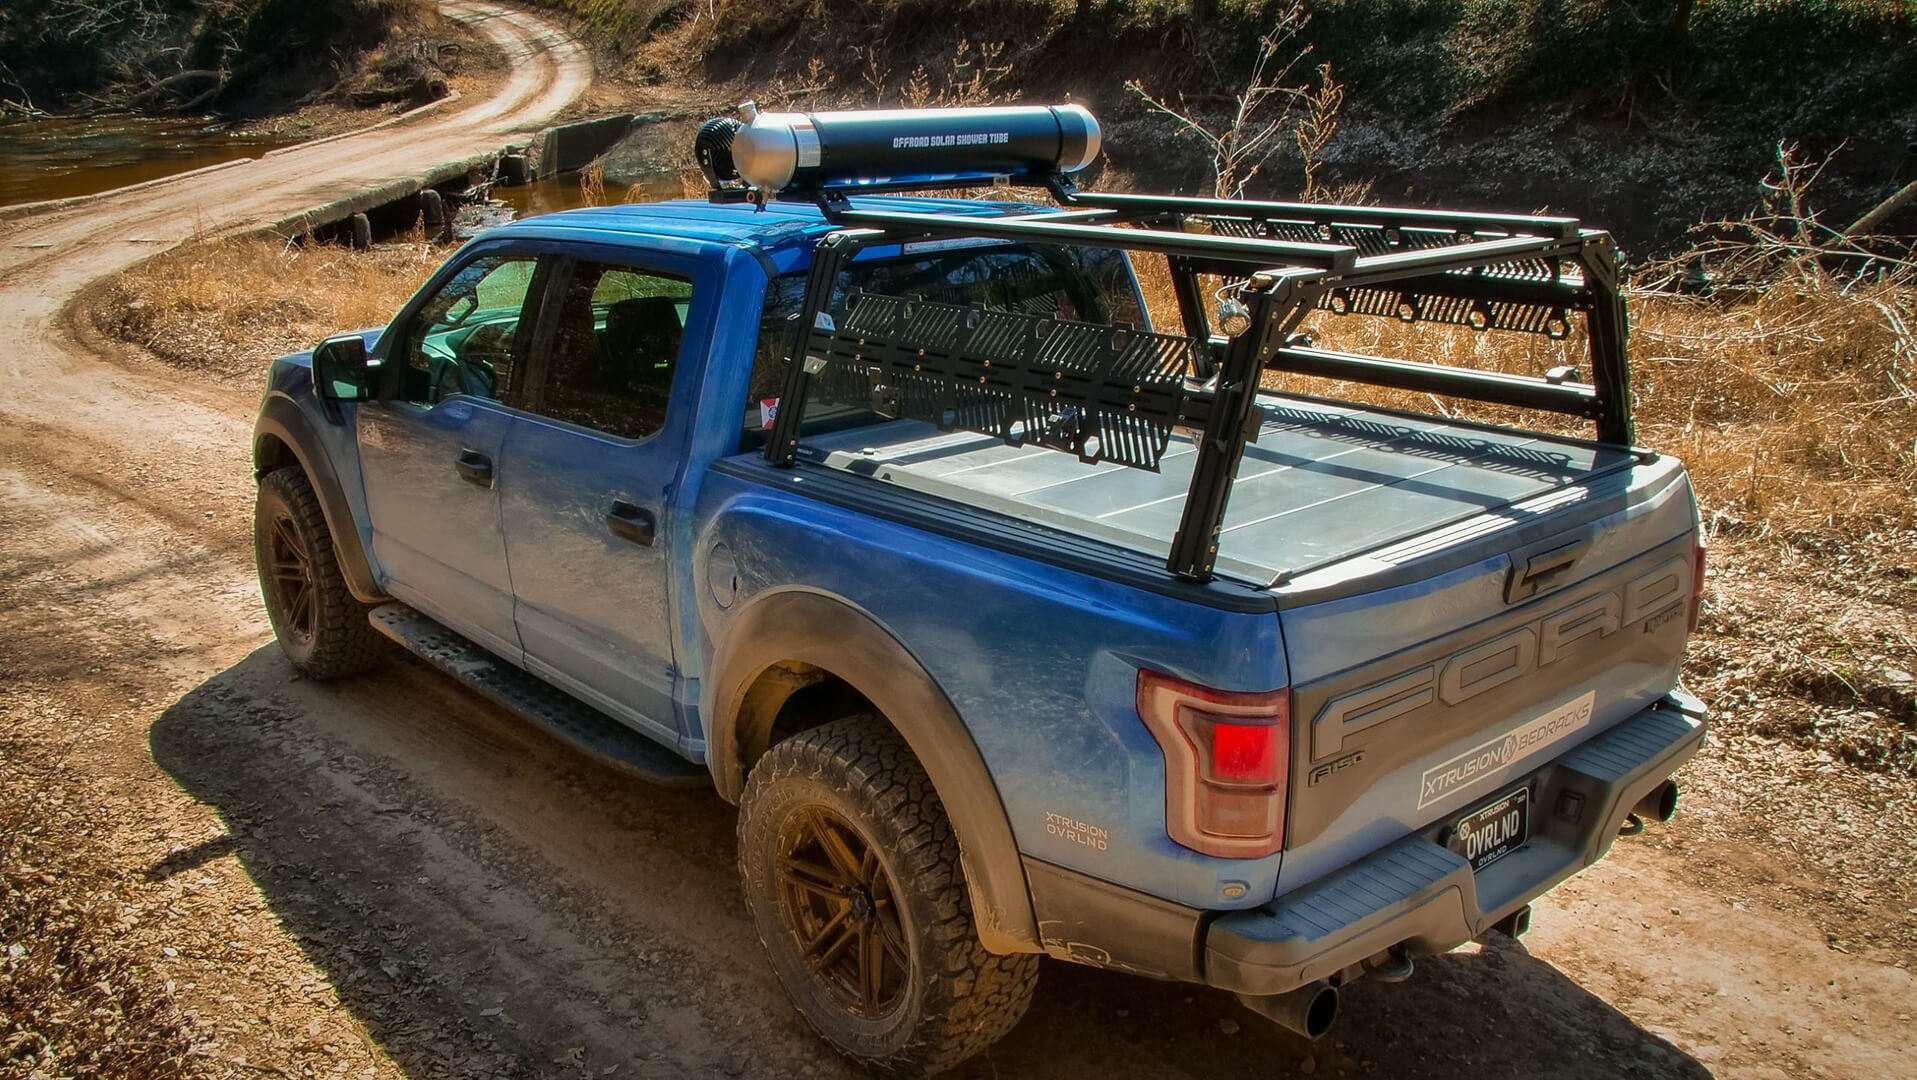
x: 801, y: 627
x: 281, y: 420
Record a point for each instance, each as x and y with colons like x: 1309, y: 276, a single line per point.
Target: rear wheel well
x: 788, y: 698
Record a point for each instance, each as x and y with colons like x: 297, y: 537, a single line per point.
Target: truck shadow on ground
x: 488, y: 903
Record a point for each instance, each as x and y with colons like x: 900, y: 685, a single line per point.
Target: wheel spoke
x: 290, y: 539
x: 818, y: 940
x: 835, y: 847
x: 813, y: 878
x: 848, y: 933
x: 303, y: 606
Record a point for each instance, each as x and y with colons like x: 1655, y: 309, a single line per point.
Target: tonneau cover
x: 1323, y: 481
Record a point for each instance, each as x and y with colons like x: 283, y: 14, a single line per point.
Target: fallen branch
x: 167, y: 84
x: 1866, y: 225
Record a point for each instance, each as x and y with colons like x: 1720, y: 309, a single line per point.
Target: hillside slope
x: 1599, y: 106
x: 237, y: 57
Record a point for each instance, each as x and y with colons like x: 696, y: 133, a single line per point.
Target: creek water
x: 565, y: 193
x: 57, y: 157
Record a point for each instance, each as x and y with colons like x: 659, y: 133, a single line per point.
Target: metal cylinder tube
x: 896, y: 147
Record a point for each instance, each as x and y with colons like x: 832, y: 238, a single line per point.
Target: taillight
x: 1227, y: 757
x: 1697, y: 579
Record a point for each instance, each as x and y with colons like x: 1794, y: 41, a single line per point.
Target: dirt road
x: 391, y: 877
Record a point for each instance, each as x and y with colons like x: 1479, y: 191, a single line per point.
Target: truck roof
x: 778, y: 227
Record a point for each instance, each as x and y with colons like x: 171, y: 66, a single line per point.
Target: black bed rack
x: 1115, y: 393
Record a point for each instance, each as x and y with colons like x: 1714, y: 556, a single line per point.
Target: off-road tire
x: 958, y: 999
x: 334, y: 639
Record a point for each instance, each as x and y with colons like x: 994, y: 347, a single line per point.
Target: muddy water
x: 58, y: 157
x: 566, y: 193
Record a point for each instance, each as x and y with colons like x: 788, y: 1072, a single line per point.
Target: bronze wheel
x: 853, y: 877
x: 841, y: 907
x: 289, y: 576
x: 320, y: 625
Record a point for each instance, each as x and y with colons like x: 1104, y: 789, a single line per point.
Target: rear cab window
x: 1080, y: 284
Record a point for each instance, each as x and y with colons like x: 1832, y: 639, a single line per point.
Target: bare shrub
x: 1269, y: 105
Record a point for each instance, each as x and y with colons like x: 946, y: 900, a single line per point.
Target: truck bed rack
x: 1115, y: 393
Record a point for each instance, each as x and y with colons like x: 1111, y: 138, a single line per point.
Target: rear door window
x: 617, y: 333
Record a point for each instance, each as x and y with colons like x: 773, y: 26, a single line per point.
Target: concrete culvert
x: 432, y: 208
x: 362, y: 232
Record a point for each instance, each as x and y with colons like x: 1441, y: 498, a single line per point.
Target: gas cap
x: 722, y: 575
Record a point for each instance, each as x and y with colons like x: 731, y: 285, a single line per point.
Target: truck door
x: 430, y: 457
x: 586, y: 504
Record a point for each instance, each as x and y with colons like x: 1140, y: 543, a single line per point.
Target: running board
x: 544, y: 705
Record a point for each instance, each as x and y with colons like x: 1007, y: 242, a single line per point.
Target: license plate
x: 1494, y: 830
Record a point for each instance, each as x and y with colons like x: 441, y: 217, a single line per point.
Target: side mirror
x: 339, y: 369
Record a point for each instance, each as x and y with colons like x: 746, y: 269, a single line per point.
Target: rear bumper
x: 1419, y: 894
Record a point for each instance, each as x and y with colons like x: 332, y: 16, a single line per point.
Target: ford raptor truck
x: 1017, y: 618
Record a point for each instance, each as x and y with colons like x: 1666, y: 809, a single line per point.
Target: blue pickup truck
x: 1017, y: 621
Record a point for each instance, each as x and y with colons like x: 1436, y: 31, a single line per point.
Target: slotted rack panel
x: 1408, y: 305
x: 1106, y: 394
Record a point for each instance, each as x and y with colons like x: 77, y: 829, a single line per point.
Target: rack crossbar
x: 1497, y: 388
x: 1375, y: 268
x: 1564, y: 228
x: 1262, y: 253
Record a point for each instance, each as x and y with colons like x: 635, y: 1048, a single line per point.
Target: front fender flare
x: 281, y: 418
x: 828, y: 633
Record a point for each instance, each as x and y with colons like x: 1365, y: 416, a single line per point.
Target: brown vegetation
x: 75, y: 1000
x: 225, y: 308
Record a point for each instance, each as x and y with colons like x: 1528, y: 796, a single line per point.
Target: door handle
x: 629, y: 522
x: 474, y: 468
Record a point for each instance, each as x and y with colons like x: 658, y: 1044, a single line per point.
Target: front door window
x: 470, y: 336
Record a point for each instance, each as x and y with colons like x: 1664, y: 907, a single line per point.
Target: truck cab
x: 1176, y: 674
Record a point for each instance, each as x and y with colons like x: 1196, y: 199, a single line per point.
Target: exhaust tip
x: 1660, y: 804
x: 1321, y: 1013
x: 1309, y: 1010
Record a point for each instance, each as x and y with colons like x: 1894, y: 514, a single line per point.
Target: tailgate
x: 1487, y: 649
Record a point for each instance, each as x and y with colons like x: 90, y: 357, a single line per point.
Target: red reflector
x: 1243, y: 753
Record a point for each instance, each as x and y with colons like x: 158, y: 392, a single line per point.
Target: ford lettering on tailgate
x: 1510, y: 655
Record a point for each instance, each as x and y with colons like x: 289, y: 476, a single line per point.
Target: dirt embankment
x: 1623, y: 113
x: 298, y: 67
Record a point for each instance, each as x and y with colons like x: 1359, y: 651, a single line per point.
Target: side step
x: 559, y: 713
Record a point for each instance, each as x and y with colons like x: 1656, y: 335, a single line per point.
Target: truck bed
x: 1323, y: 482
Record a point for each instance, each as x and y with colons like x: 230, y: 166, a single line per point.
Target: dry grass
x: 228, y: 307
x: 74, y: 998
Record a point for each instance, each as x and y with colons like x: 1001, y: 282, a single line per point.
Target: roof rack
x: 1115, y: 394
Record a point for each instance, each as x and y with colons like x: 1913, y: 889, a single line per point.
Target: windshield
x: 1082, y: 284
